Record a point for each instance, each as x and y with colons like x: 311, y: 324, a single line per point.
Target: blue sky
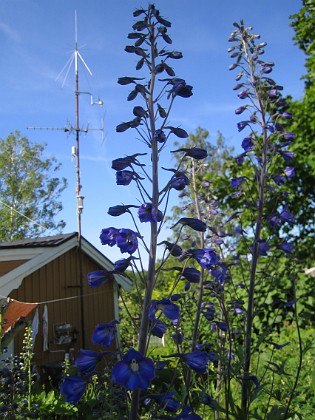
x: 37, y: 39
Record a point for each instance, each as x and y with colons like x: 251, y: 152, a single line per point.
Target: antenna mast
x: 76, y: 57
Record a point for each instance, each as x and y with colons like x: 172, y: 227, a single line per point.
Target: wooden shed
x: 51, y: 273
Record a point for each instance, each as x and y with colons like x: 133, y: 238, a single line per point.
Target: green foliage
x: 29, y: 189
x: 302, y: 191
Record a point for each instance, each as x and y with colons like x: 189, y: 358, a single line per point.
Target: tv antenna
x: 75, y: 58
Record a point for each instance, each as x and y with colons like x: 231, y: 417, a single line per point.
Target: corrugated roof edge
x: 46, y: 241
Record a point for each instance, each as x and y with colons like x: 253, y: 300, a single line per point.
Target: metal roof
x: 47, y: 241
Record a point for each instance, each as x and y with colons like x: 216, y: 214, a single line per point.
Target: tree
x: 29, y: 189
x: 210, y: 179
x: 303, y: 125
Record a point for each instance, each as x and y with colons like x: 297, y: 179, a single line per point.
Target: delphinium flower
x: 134, y: 371
x: 179, y: 181
x: 193, y: 223
x: 126, y: 240
x: 122, y: 264
x: 194, y: 152
x: 73, y: 388
x: 108, y: 236
x: 99, y: 277
x: 104, y: 334
x: 166, y: 401
x: 168, y: 308
x: 148, y: 213
x: 174, y: 249
x: 119, y: 210
x: 191, y: 274
x: 122, y: 163
x: 87, y: 360
x: 159, y: 328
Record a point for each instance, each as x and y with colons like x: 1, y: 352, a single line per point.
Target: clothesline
x: 54, y: 300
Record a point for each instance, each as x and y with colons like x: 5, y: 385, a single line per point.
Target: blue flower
x: 159, y: 328
x: 159, y: 136
x: 174, y: 249
x: 73, y: 387
x: 208, y: 400
x: 104, y: 334
x: 208, y: 311
x: 286, y: 247
x: 286, y: 216
x: 122, y: 163
x: 267, y: 69
x: 222, y: 325
x: 166, y: 401
x: 178, y: 337
x: 287, y: 156
x: 241, y: 125
x: 289, y: 136
x: 237, y: 182
x: 219, y: 272
x: 108, y: 236
x: 240, y: 110
x: 240, y: 158
x: 280, y: 179
x: 289, y: 172
x: 243, y: 94
x: 195, y: 152
x: 127, y: 241
x: 196, y: 360
x: 248, y: 144
x: 123, y: 264
x: 263, y: 247
x: 169, y: 309
x: 180, y: 88
x: 148, y: 213
x: 191, y: 274
x: 205, y: 257
x: 119, y: 210
x: 286, y: 115
x: 134, y: 371
x: 193, y: 223
x: 98, y: 277
x: 87, y: 361
x: 124, y: 177
x: 179, y: 181
x: 274, y: 220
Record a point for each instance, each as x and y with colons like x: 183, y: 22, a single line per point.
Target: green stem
x: 255, y: 255
x: 144, y: 325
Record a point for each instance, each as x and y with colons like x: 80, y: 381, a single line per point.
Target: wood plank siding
x: 54, y: 283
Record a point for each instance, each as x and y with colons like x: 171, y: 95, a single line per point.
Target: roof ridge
x: 45, y: 241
